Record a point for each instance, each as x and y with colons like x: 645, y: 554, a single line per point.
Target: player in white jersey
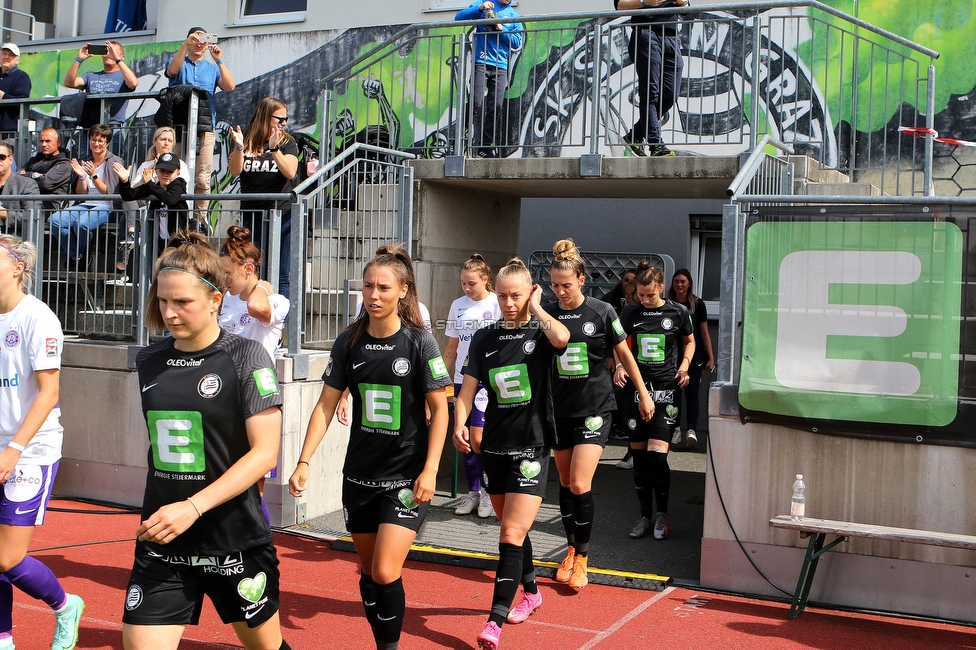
x: 30, y: 441
x: 389, y: 475
x: 514, y: 358
x: 584, y: 401
x: 475, y: 309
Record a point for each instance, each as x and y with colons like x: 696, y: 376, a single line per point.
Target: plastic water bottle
x: 797, y: 503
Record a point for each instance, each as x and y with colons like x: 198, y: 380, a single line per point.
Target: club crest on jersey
x: 401, y: 367
x: 245, y: 320
x: 209, y: 386
x: 488, y: 316
x: 134, y: 598
x: 667, y: 323
x: 632, y: 424
x: 12, y: 339
x: 589, y: 329
x: 528, y: 347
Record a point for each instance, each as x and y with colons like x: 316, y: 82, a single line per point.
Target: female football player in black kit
x: 213, y: 410
x: 513, y: 359
x: 394, y: 366
x: 660, y: 332
x: 583, y: 396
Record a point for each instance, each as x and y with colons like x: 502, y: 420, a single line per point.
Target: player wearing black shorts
x: 393, y: 365
x: 584, y: 401
x: 213, y: 412
x: 659, y: 331
x: 513, y: 359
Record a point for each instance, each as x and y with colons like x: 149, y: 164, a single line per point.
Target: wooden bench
x: 818, y: 529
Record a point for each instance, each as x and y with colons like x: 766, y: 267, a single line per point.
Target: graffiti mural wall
x: 573, y: 79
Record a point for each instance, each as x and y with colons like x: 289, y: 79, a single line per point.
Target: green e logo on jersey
x: 265, y: 380
x: 574, y: 361
x: 617, y: 327
x: 511, y: 383
x: 437, y: 368
x: 650, y: 348
x: 856, y: 321
x: 176, y: 438
x: 381, y: 406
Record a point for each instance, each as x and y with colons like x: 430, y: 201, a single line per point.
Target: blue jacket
x: 491, y: 47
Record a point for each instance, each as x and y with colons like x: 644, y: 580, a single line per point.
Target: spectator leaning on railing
x: 12, y: 213
x: 14, y: 84
x: 114, y: 77
x: 50, y: 168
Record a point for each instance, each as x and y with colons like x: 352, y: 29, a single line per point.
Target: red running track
x: 446, y: 606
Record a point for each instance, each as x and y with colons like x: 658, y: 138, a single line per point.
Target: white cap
x: 12, y: 47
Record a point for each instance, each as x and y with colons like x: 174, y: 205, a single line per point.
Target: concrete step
x: 805, y: 188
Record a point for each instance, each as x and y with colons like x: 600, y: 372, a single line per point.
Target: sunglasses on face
x: 4, y: 156
x: 281, y: 119
x: 98, y: 141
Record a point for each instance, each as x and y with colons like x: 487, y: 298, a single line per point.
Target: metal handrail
x: 748, y: 169
x: 342, y: 157
x: 30, y: 17
x: 612, y: 15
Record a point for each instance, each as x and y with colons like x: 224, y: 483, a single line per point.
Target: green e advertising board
x: 853, y: 320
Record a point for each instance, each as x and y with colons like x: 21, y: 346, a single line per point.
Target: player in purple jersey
x: 513, y: 359
x: 30, y: 442
x: 213, y: 415
x: 660, y: 331
x: 584, y: 401
x: 393, y: 365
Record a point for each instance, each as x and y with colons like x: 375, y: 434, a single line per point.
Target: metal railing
x: 361, y: 199
x: 12, y: 16
x: 823, y: 81
x: 604, y: 270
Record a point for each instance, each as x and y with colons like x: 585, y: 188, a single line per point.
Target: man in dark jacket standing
x: 655, y: 49
x: 14, y: 84
x: 50, y: 168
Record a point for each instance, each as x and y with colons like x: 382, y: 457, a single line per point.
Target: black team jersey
x: 390, y: 378
x: 582, y: 385
x: 195, y: 405
x: 656, y: 338
x: 516, y: 367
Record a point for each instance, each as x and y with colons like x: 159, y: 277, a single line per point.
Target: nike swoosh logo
x: 385, y: 619
x: 505, y: 580
x: 638, y: 324
x: 410, y: 516
x: 356, y: 365
x: 250, y: 615
x: 369, y: 604
x: 24, y: 512
x: 145, y: 388
x: 488, y: 354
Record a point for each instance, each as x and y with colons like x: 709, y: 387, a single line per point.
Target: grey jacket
x: 17, y: 209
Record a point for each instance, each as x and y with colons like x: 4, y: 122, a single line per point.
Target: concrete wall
x: 894, y: 484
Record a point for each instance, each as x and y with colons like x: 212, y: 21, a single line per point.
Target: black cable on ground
x: 117, y: 509
x: 728, y: 519
x: 105, y: 541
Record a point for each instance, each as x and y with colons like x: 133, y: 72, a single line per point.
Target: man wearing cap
x: 114, y: 77
x: 12, y: 213
x: 14, y: 84
x: 188, y: 66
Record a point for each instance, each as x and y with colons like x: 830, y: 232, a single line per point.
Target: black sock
x: 284, y: 645
x: 583, y: 507
x: 367, y: 590
x: 506, y: 582
x: 566, y: 513
x: 642, y: 482
x: 528, y: 568
x: 390, y: 605
x: 660, y: 478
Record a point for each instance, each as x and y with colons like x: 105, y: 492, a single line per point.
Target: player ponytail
x: 24, y: 252
x: 567, y: 258
x: 188, y: 252
x: 239, y: 247
x: 478, y: 264
x: 515, y: 268
x: 398, y: 259
x: 646, y: 275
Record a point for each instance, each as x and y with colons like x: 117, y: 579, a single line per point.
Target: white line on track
x: 592, y: 643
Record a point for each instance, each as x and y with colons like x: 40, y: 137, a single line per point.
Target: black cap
x: 168, y: 162
x: 194, y: 30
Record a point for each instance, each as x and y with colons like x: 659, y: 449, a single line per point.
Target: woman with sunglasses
x: 213, y: 415
x: 265, y: 157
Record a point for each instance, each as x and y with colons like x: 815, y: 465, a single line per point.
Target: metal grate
x: 603, y: 270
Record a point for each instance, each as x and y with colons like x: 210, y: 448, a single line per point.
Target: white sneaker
x: 690, y: 438
x: 484, y: 508
x: 676, y: 438
x: 469, y: 502
x: 626, y: 463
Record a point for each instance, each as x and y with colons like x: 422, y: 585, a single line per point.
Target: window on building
x: 254, y: 8
x: 706, y: 259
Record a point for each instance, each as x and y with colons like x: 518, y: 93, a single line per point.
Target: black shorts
x: 169, y: 589
x: 590, y: 430
x: 665, y: 417
x: 367, y: 504
x: 516, y: 472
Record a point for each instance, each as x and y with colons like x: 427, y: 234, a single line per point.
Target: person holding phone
x: 188, y: 66
x: 114, y: 77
